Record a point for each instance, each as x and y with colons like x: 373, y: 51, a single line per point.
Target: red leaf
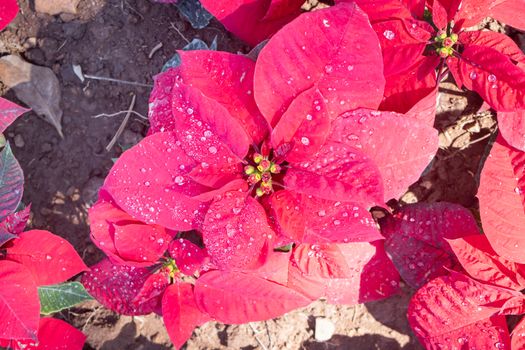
x: 227, y: 80
x: 444, y: 11
x: 450, y: 310
x: 50, y: 258
x: 372, y: 276
x: 160, y: 113
x: 53, y: 334
x: 324, y: 261
x: 235, y: 298
x: 308, y: 219
x: 236, y: 231
x: 206, y: 130
x: 188, y: 256
x: 180, y: 313
x: 400, y: 146
x: 402, y: 43
x: 404, y: 90
x: 9, y: 111
x: 513, y: 306
x: 415, y: 239
x: 473, y: 11
x: 381, y: 10
x: 334, y: 51
x: 506, y: 11
x: 339, y: 173
x: 425, y: 109
x: 253, y: 20
x: 493, y: 75
x: 140, y: 244
x: 479, y: 259
x: 124, y: 239
x: 8, y: 9
x: 497, y: 41
x: 215, y: 176
x: 150, y: 182
x: 19, y: 303
x: 16, y: 222
x: 117, y: 286
x: 305, y: 125
x: 501, y: 200
x: 154, y: 286
x: 275, y: 268
x: 11, y: 182
x: 512, y: 128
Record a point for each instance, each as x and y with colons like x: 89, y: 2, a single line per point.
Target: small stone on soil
x: 324, y: 329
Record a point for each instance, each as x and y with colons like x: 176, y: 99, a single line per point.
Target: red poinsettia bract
x: 28, y: 260
x: 254, y: 20
x: 250, y: 197
x: 467, y: 310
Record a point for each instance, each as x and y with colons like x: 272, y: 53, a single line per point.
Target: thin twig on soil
x: 113, y: 80
x: 119, y: 113
x: 90, y: 317
x: 256, y: 337
x: 270, y: 343
x: 155, y: 49
x: 122, y: 125
x: 178, y: 31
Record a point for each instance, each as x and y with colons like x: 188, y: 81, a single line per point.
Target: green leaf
x: 58, y: 297
x: 11, y: 182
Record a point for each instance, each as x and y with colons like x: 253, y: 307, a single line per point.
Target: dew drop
x: 309, y: 117
x: 389, y: 35
x: 305, y: 140
x: 326, y: 23
x: 473, y: 75
x: 179, y: 180
x: 321, y: 213
x: 189, y: 111
x: 212, y: 149
x: 492, y: 78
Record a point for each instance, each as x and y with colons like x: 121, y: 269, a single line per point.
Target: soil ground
x: 115, y: 38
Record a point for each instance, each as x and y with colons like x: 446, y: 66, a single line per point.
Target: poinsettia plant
x: 250, y: 196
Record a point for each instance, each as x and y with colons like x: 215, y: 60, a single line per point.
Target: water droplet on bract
x: 179, y: 180
x: 352, y: 137
x: 473, y: 75
x: 499, y: 345
x: 350, y: 68
x: 328, y: 69
x: 337, y: 222
x: 321, y: 213
x: 236, y: 210
x: 49, y: 257
x: 326, y: 23
x: 389, y: 35
x: 309, y: 117
x: 492, y: 78
x: 143, y: 170
x: 517, y: 190
x: 212, y: 149
x: 305, y: 140
x: 190, y: 111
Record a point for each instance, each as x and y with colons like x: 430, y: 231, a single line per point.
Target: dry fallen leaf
x: 55, y: 7
x: 36, y: 86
